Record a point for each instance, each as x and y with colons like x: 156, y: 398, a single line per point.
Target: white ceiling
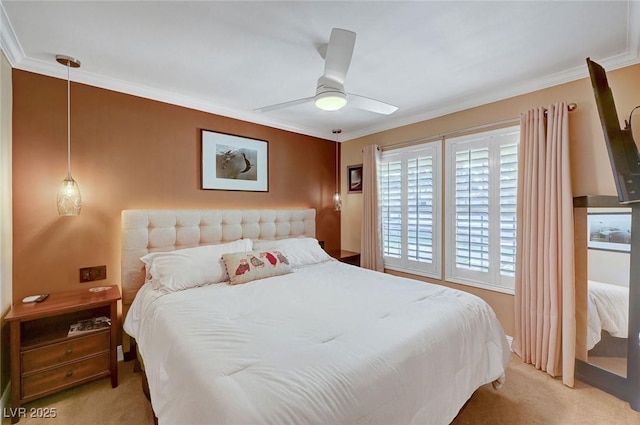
x: 228, y: 58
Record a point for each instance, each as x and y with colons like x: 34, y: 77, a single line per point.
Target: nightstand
x: 348, y: 257
x: 44, y: 360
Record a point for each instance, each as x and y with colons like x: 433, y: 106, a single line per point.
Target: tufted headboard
x: 145, y: 231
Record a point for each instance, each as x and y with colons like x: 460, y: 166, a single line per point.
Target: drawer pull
x: 69, y: 351
x: 69, y: 374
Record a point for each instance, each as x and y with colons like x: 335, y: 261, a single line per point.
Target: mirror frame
x: 628, y: 388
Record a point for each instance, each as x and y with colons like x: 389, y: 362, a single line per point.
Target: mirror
x: 608, y: 262
x: 607, y: 295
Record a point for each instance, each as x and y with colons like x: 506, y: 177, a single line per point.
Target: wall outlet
x: 89, y: 274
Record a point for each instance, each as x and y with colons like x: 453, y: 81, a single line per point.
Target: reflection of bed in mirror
x: 607, y: 326
x: 608, y: 288
x: 608, y: 310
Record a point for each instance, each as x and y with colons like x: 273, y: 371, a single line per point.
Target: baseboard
x: 120, y: 353
x: 4, y: 401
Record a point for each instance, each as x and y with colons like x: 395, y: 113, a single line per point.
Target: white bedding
x: 328, y: 344
x: 608, y: 309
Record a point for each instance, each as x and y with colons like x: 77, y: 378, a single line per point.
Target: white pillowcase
x: 190, y: 267
x: 300, y: 251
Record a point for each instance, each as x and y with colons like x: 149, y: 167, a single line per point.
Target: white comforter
x: 328, y: 344
x: 608, y: 310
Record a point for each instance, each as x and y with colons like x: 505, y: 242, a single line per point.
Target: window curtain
x: 370, y: 248
x: 544, y: 288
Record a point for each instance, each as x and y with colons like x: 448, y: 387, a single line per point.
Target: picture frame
x: 610, y: 231
x: 231, y: 162
x: 354, y: 178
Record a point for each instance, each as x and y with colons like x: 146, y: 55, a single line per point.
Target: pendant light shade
x: 69, y: 199
x: 337, y: 202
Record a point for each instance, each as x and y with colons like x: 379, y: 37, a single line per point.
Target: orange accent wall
x: 129, y: 152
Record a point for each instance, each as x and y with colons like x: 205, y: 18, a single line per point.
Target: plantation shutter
x: 508, y: 198
x: 481, y: 179
x: 472, y: 209
x: 409, y: 192
x: 420, y: 209
x: 390, y: 176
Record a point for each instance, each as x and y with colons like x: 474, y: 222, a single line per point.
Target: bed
x: 321, y: 343
x: 607, y: 310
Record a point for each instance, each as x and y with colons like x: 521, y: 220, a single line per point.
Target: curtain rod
x: 571, y: 107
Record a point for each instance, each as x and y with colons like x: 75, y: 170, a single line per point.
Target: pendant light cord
x: 337, y: 131
x: 337, y: 170
x: 68, y: 122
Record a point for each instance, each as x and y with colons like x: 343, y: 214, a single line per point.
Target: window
x: 481, y: 188
x: 409, y: 182
x: 481, y: 173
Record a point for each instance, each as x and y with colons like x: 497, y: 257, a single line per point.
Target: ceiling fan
x: 330, y: 94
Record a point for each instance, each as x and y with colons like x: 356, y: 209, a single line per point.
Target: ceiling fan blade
x: 371, y: 105
x: 339, y: 52
x: 284, y: 105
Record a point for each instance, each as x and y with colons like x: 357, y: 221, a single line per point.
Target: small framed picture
x: 609, y: 231
x: 234, y: 163
x: 354, y: 173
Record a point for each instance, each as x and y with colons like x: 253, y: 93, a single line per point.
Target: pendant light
x: 69, y: 199
x: 337, y: 201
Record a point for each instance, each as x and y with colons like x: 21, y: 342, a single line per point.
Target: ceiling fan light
x: 330, y: 101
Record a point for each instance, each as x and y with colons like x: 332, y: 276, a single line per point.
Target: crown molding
x: 53, y: 69
x: 631, y: 57
x: 8, y: 40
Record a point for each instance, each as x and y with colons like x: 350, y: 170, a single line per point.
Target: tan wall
x: 590, y: 171
x: 5, y: 217
x: 129, y: 152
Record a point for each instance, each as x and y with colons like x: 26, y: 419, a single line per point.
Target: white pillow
x: 300, y: 251
x: 190, y: 267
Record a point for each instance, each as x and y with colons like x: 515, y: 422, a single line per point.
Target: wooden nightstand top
x: 341, y: 254
x: 63, y: 302
x: 344, y: 256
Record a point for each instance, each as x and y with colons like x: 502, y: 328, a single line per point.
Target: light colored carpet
x: 529, y: 397
x: 532, y: 397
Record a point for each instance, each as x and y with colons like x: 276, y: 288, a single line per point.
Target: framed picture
x: 234, y: 163
x: 354, y: 173
x: 609, y: 231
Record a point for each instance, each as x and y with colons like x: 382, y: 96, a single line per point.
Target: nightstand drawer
x: 57, y: 378
x: 66, y: 351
